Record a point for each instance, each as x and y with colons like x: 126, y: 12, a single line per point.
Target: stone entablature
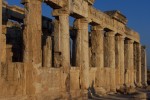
x: 95, y: 16
x: 115, y: 14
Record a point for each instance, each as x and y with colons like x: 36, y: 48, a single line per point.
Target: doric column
x: 3, y: 36
x: 143, y: 66
x: 0, y: 20
x: 97, y: 46
x: 129, y: 63
x: 138, y: 64
x: 110, y: 57
x: 62, y: 46
x: 82, y: 52
x: 110, y: 49
x: 32, y: 32
x: 65, y: 40
x: 61, y: 40
x: 119, y: 55
x: 0, y: 33
x: 47, y: 52
x: 97, y: 35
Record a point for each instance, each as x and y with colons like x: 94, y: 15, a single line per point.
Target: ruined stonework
x: 45, y: 59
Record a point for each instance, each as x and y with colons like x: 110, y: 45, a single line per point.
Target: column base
x: 113, y: 90
x: 100, y: 91
x: 65, y: 95
x: 144, y: 85
x: 138, y: 84
x: 76, y: 94
x: 85, y: 94
x: 133, y: 85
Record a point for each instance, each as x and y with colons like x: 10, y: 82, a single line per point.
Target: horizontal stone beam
x: 100, y: 18
x: 56, y: 3
x: 79, y: 9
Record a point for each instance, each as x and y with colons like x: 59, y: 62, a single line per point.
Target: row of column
x: 118, y: 53
x: 109, y: 50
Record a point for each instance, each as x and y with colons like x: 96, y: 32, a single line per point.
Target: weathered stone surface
x: 129, y: 63
x: 82, y: 57
x: 137, y: 63
x: 12, y: 79
x: 32, y: 47
x: 143, y: 66
x: 97, y: 59
x: 66, y: 62
x: 0, y: 26
x: 80, y: 8
x: 47, y: 53
x: 109, y: 56
x: 119, y: 61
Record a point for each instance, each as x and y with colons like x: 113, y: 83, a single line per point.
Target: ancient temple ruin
x: 45, y: 59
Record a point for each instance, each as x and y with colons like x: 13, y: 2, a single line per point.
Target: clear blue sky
x: 136, y: 11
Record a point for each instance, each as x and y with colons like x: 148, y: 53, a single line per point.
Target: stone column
x: 47, y: 53
x: 129, y: 63
x: 110, y: 57
x: 3, y: 26
x: 3, y: 40
x: 82, y: 52
x: 119, y: 55
x: 143, y: 66
x: 97, y: 41
x: 0, y: 20
x: 61, y: 40
x: 62, y: 47
x: 138, y: 67
x: 0, y: 33
x: 32, y: 32
x: 65, y: 41
x: 97, y: 36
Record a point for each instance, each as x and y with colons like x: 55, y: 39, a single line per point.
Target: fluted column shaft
x: 32, y: 32
x: 138, y: 67
x: 97, y: 49
x: 143, y: 66
x: 97, y: 36
x: 129, y: 63
x: 119, y: 60
x: 65, y: 41
x: 110, y: 49
x: 110, y: 57
x: 0, y: 33
x: 62, y: 46
x: 82, y: 51
x: 47, y: 53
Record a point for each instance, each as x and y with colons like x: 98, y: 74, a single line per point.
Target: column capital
x: 129, y: 41
x: 81, y: 24
x: 110, y: 34
x: 120, y: 37
x: 98, y: 27
x: 84, y: 20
